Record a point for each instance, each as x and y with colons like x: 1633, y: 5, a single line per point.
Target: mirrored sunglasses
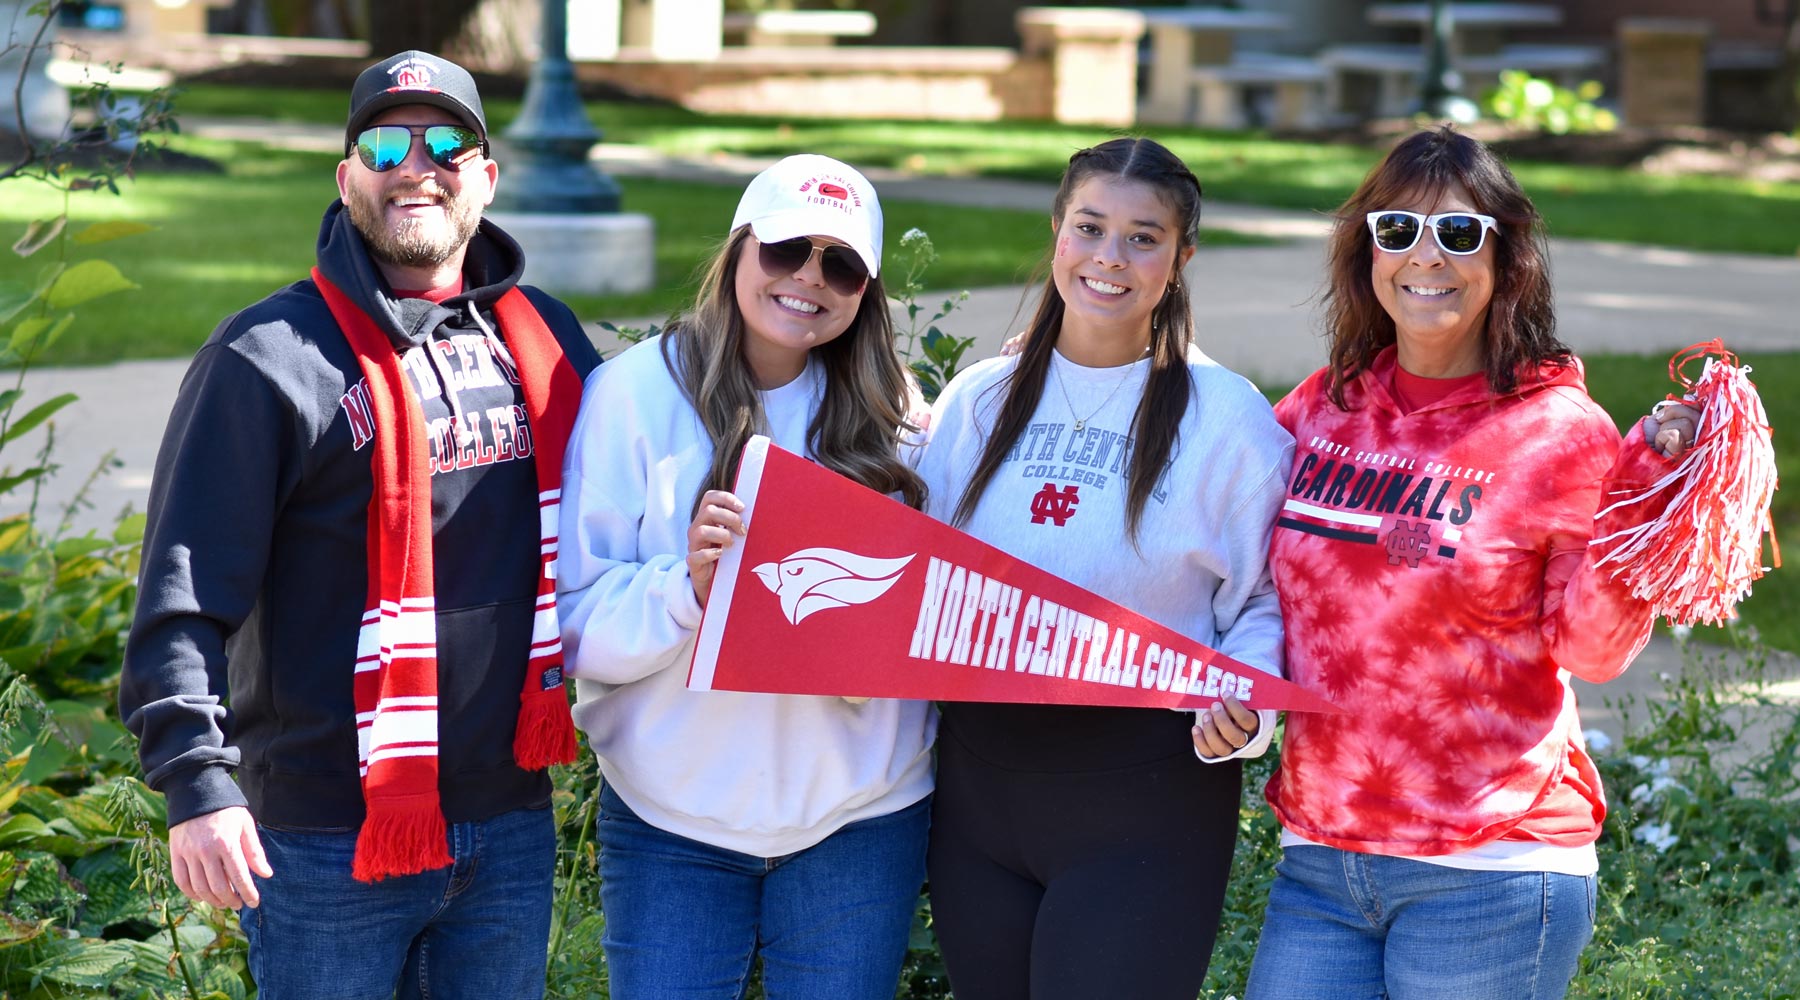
x: 384, y: 147
x: 1458, y: 233
x: 843, y: 270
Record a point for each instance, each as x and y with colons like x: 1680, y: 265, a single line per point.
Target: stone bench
x: 796, y: 28
x: 1397, y: 68
x: 1260, y: 88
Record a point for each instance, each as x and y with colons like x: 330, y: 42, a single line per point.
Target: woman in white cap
x: 738, y: 825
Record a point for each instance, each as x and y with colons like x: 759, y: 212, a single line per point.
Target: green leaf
x: 39, y: 234
x: 100, y: 232
x: 38, y: 332
x: 71, y: 548
x: 85, y: 281
x: 46, y: 757
x: 86, y: 963
x: 39, y: 413
x: 15, y: 931
x: 108, y: 876
x: 225, y: 982
x: 130, y: 529
x: 13, y: 298
x: 27, y: 332
x: 8, y: 482
x: 56, y: 332
x: 22, y: 829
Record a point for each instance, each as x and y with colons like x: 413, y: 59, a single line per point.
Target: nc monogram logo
x: 1408, y: 542
x: 1052, y: 504
x: 817, y: 579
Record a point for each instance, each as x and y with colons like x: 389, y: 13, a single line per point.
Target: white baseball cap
x: 813, y: 195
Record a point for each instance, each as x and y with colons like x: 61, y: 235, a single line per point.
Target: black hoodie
x: 255, y: 575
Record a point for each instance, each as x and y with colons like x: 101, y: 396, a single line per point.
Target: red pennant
x: 838, y: 590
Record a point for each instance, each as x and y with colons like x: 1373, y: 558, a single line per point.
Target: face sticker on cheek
x: 1062, y: 245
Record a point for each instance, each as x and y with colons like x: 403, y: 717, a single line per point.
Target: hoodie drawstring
x: 495, y: 344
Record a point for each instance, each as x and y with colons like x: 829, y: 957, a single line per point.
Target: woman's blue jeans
x: 477, y: 929
x: 1348, y: 926
x: 685, y: 920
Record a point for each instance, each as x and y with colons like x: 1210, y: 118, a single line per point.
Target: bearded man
x: 345, y: 672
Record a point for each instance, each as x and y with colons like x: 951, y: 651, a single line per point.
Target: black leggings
x: 1080, y: 884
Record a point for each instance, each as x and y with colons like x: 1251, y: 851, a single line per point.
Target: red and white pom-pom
x: 1697, y: 559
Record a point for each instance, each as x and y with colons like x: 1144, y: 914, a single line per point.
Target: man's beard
x: 413, y: 242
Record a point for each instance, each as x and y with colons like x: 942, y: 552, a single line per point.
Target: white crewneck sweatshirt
x: 1199, y: 562
x: 761, y: 774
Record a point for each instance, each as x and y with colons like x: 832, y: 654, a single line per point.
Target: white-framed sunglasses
x: 1459, y: 233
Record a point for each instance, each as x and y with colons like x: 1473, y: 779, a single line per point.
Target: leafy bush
x: 1537, y: 105
x: 1697, y: 862
x: 87, y: 906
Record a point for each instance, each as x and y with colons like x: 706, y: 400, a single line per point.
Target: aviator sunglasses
x: 384, y: 147
x: 1458, y: 233
x: 843, y: 270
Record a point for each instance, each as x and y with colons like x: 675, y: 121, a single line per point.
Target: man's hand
x: 213, y: 856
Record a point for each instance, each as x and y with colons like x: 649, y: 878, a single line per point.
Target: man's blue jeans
x: 1348, y: 926
x: 685, y: 920
x: 476, y: 929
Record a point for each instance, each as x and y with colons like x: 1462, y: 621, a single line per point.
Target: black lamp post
x: 1440, y: 93
x: 549, y: 170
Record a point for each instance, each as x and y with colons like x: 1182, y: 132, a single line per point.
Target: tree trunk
x: 398, y: 25
x: 499, y: 36
x: 1787, y: 81
x: 494, y: 35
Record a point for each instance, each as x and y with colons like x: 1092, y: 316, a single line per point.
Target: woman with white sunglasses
x: 1432, y: 566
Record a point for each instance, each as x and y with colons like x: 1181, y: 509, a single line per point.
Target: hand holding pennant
x: 838, y: 590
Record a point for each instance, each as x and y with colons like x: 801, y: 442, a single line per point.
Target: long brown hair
x: 1520, y: 333
x: 1158, y: 421
x: 856, y: 432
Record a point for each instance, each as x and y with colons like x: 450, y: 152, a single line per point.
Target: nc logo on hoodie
x: 818, y: 579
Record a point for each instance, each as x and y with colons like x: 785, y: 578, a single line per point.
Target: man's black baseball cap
x: 414, y: 77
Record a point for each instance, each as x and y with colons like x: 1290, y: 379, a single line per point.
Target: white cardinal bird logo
x: 818, y: 579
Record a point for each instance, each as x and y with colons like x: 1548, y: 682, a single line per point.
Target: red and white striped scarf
x: 396, y: 649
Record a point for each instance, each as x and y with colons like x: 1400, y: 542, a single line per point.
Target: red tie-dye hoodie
x: 1435, y: 581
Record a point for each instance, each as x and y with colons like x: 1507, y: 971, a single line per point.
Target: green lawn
x: 224, y: 241
x: 1702, y: 213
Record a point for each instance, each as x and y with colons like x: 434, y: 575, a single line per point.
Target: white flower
x: 1597, y: 740
x: 1656, y: 835
x: 915, y: 233
x: 1649, y: 790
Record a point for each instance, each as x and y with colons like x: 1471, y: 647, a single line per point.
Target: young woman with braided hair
x: 1076, y: 851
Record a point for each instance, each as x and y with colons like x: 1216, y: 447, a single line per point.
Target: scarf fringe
x: 1697, y: 559
x: 401, y: 836
x: 546, y: 733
